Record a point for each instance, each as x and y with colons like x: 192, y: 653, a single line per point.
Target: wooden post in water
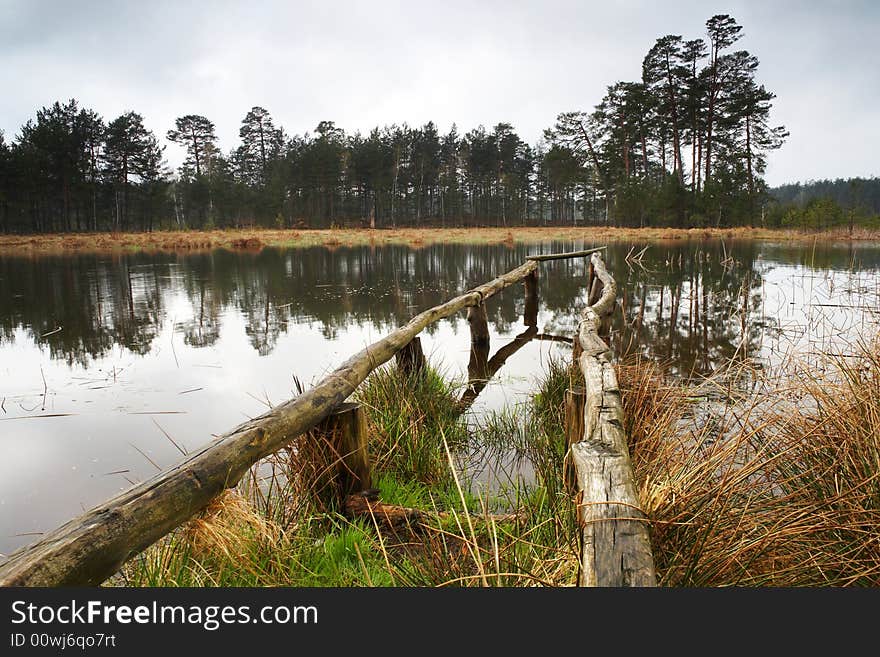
x: 411, y: 359
x: 345, y: 466
x: 478, y: 364
x: 530, y: 313
x: 575, y: 401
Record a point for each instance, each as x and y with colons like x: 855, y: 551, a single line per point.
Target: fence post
x: 530, y: 313
x: 411, y: 358
x: 346, y: 466
x: 575, y: 401
x: 478, y: 364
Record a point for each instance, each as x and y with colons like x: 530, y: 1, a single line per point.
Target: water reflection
x: 121, y: 350
x: 685, y: 304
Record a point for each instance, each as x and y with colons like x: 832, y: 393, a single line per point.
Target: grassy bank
x: 281, y: 529
x: 256, y: 239
x: 776, y: 489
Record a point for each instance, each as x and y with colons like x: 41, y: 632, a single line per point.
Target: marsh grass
x: 273, y: 531
x: 254, y: 239
x: 775, y: 488
x: 406, y: 415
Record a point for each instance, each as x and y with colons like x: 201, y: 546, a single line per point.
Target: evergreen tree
x: 197, y: 135
x: 261, y: 145
x: 6, y: 167
x: 131, y: 152
x: 723, y: 32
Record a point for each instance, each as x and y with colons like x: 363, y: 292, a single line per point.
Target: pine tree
x: 261, y: 145
x: 196, y: 133
x: 131, y: 152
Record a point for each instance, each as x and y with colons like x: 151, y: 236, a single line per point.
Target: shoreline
x: 254, y: 239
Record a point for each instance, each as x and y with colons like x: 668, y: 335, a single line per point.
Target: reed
x: 776, y: 489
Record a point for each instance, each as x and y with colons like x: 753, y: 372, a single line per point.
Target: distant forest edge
x: 685, y: 146
x: 822, y: 204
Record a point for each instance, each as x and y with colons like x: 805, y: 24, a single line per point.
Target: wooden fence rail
x: 615, y: 546
x: 615, y: 542
x: 92, y: 547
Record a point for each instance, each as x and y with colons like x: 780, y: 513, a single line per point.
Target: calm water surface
x: 104, y: 357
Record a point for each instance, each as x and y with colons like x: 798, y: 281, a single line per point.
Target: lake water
x: 109, y: 362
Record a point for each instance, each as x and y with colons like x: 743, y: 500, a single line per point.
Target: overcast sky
x: 363, y: 64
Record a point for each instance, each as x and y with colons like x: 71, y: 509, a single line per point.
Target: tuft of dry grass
x: 219, y: 529
x: 777, y: 489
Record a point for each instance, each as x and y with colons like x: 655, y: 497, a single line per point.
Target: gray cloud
x: 363, y: 64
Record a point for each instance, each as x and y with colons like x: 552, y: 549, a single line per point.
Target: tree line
x: 823, y: 204
x: 684, y: 146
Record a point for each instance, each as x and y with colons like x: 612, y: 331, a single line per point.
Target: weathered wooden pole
x: 411, y: 358
x: 575, y: 401
x: 541, y: 257
x: 530, y: 312
x: 478, y: 364
x: 616, y: 544
x: 343, y: 467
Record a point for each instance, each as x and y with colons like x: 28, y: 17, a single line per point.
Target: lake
x: 111, y: 364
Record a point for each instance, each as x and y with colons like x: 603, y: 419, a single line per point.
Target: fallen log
x: 92, y: 547
x: 392, y: 516
x: 616, y: 546
x: 540, y: 257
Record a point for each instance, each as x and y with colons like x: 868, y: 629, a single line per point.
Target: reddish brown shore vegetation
x: 255, y: 239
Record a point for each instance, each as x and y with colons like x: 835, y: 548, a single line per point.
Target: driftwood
x: 563, y: 256
x: 616, y: 547
x: 93, y: 546
x: 392, y: 516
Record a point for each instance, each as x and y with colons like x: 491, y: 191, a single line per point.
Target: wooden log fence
x: 93, y: 546
x: 615, y: 542
x: 615, y: 545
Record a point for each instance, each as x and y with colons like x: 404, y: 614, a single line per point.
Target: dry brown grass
x: 254, y: 239
x: 763, y: 492
x: 220, y: 528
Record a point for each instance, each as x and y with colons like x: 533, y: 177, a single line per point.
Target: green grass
x: 272, y: 532
x: 748, y: 492
x: 408, y: 418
